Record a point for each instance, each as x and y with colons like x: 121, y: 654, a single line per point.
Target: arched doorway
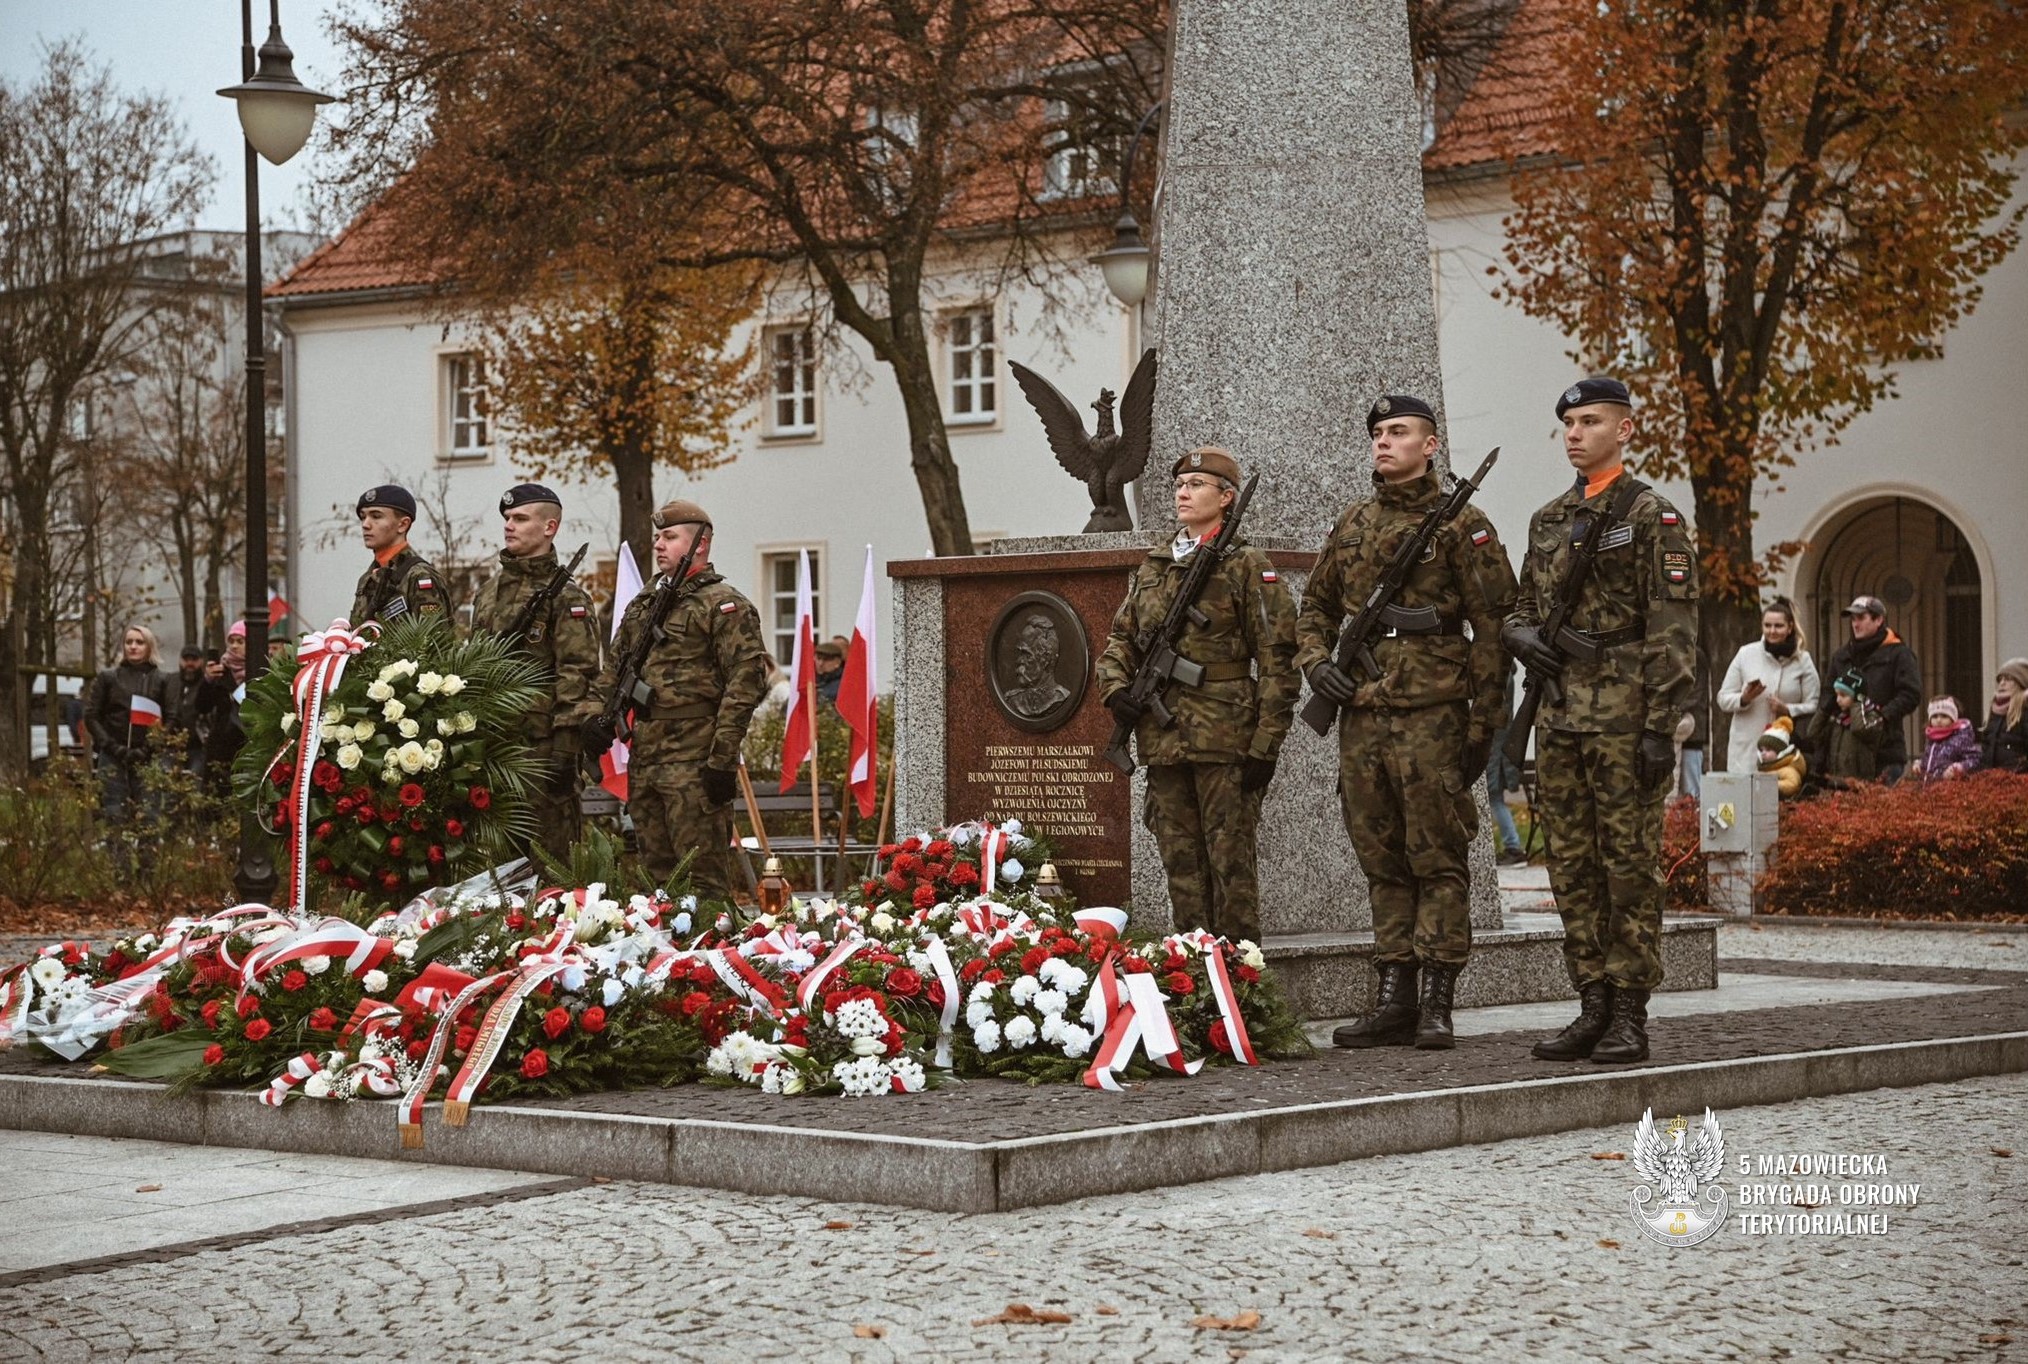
x: 1917, y: 560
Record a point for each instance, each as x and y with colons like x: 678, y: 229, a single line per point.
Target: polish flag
x: 278, y: 609
x: 141, y: 711
x: 799, y: 730
x: 626, y: 586
x: 859, y: 704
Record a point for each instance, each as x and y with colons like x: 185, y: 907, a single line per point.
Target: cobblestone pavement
x: 2001, y: 948
x: 1516, y: 1250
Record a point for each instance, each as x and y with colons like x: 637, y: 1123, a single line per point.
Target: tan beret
x: 680, y: 512
x: 1209, y: 459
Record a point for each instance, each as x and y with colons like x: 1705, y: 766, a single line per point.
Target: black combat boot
x: 1392, y: 1022
x: 1433, y: 1023
x: 1626, y: 1036
x: 1575, y: 1042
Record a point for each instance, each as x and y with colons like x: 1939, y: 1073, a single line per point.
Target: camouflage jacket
x: 1464, y: 575
x: 1251, y: 618
x: 563, y: 638
x: 407, y: 576
x: 1645, y: 580
x: 707, y: 672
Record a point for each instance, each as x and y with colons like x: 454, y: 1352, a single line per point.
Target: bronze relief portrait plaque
x: 1038, y: 661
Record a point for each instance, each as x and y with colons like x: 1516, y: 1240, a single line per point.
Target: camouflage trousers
x: 559, y: 818
x: 1204, y: 825
x: 1410, y: 814
x: 674, y: 818
x: 1605, y: 856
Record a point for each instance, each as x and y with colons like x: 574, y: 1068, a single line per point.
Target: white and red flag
x: 142, y: 711
x: 799, y: 731
x: 860, y: 704
x: 626, y: 586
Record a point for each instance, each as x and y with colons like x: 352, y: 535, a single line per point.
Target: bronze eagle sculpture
x: 1106, y: 460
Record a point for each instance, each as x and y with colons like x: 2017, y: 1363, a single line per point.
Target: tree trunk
x: 929, y: 443
x: 214, y: 603
x: 1728, y: 615
x: 634, y: 477
x: 186, y: 582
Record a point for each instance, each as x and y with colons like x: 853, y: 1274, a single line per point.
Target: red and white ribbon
x: 812, y: 987
x: 994, y: 922
x: 1212, y: 949
x: 947, y: 976
x: 492, y: 1036
x: 409, y: 1112
x: 1101, y: 921
x: 739, y: 976
x: 320, y: 663
x: 299, y: 1069
x: 333, y: 937
x: 992, y: 842
x: 1141, y: 1020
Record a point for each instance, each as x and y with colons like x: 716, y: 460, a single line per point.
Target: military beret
x: 680, y: 513
x: 521, y: 494
x: 1585, y: 392
x: 390, y: 495
x: 1209, y: 459
x: 1390, y: 405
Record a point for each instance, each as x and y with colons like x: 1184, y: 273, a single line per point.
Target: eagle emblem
x: 1573, y: 394
x: 1105, y: 460
x: 1675, y: 1165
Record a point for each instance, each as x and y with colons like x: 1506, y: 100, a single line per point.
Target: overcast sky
x: 185, y: 50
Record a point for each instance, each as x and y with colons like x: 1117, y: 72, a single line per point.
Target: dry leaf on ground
x: 865, y: 1332
x: 149, y: 1188
x: 1608, y: 1155
x: 2003, y: 1152
x: 836, y: 1225
x: 1607, y: 1243
x: 1021, y: 1314
x: 1106, y: 1309
x: 1245, y: 1321
x: 1319, y: 1234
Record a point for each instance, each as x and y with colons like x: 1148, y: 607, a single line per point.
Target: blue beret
x: 523, y: 493
x: 1585, y: 392
x: 1390, y: 405
x: 390, y: 495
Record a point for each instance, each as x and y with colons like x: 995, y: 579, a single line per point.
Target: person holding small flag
x: 125, y: 704
x: 704, y: 672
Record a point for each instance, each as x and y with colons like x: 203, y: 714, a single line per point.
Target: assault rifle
x: 1160, y: 663
x: 1379, y: 613
x: 630, y: 689
x: 1556, y: 630
x: 537, y: 604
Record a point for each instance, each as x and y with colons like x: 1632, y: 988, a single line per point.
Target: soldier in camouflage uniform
x: 1413, y: 742
x: 1604, y: 758
x: 1208, y: 772
x: 563, y: 637
x: 400, y: 580
x: 706, y: 672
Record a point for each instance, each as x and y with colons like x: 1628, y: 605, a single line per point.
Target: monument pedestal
x: 965, y: 747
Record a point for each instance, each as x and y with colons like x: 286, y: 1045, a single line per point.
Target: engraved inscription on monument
x: 1058, y: 788
x: 1037, y: 661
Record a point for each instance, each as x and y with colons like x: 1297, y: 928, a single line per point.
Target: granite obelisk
x: 1293, y: 287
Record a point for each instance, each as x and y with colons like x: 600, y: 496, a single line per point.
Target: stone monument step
x: 1330, y: 975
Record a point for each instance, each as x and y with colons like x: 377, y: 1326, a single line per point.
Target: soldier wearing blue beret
x: 400, y: 580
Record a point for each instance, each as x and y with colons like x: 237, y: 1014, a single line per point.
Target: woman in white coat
x: 1771, y: 677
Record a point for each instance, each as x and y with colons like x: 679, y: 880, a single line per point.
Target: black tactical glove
x: 1654, y: 759
x: 719, y: 784
x: 1526, y: 643
x: 1255, y: 774
x: 597, y: 735
x: 1472, y: 767
x: 1123, y: 708
x: 1329, y: 681
x: 563, y: 770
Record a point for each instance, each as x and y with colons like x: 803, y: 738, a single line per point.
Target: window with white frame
x: 778, y: 572
x: 974, y: 392
x: 1081, y: 161
x: 468, y: 429
x: 792, y: 382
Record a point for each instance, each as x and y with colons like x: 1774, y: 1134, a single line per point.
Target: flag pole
x: 886, y: 808
x: 760, y: 830
x: 816, y: 748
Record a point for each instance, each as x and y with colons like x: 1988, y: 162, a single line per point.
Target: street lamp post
x: 1125, y: 262
x: 276, y: 112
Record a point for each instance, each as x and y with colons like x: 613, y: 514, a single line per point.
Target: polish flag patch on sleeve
x: 1268, y: 575
x: 577, y: 613
x: 425, y: 584
x: 726, y: 608
x: 1479, y: 537
x: 1671, y: 519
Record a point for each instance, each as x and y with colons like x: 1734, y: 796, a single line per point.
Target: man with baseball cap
x: 1891, y: 679
x: 1605, y: 752
x: 561, y: 635
x: 400, y: 579
x: 1413, y: 741
x: 705, y: 673
x: 1209, y: 770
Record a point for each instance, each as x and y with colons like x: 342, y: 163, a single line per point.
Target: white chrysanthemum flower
x: 46, y: 972
x: 978, y: 1012
x: 1010, y: 870
x: 428, y: 683
x: 1052, y: 1028
x: 1020, y: 1032
x: 718, y: 1062
x: 881, y: 922
x: 1076, y: 1040
x: 453, y: 684
x: 771, y: 1079
x: 409, y: 729
x: 909, y: 1073
x: 318, y: 1086
x: 405, y: 948
x: 983, y: 990
x: 1049, y: 1002
x: 1072, y: 980
x: 373, y: 982
x: 349, y: 756
x: 961, y: 838
x: 393, y: 711
x: 861, y: 1018
x: 316, y: 966
x: 986, y: 1037
x: 371, y: 1050
x: 379, y: 692
x: 1024, y: 989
